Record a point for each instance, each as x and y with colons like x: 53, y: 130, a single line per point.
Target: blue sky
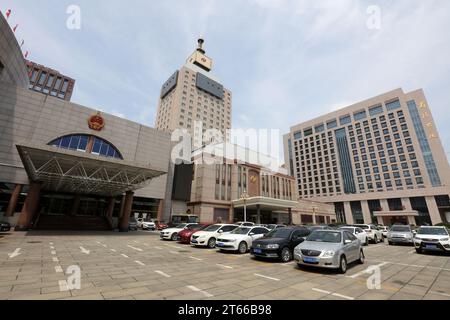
x: 285, y: 61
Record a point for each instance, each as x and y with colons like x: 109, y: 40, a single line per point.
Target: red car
x: 185, y: 235
x: 161, y: 225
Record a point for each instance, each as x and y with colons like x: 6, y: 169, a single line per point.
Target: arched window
x: 88, y: 144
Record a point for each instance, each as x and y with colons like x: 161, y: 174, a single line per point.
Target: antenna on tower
x: 200, y: 49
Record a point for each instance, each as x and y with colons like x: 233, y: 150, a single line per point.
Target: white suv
x: 373, y: 233
x: 432, y: 239
x: 240, y: 239
x: 208, y: 236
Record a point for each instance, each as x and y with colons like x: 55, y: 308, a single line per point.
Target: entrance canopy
x: 76, y: 172
x: 270, y: 204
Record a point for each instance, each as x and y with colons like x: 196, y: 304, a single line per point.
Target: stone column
x: 384, y: 205
x: 10, y: 210
x: 380, y: 220
x: 30, y: 207
x: 75, y: 205
x: 258, y: 214
x: 111, y: 205
x: 231, y: 214
x: 348, y: 213
x: 125, y: 219
x: 366, y: 212
x: 407, y: 204
x: 412, y: 220
x: 159, y: 216
x: 290, y: 216
x: 433, y: 210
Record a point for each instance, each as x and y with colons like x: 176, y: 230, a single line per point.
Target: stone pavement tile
x: 406, y: 296
x: 281, y: 294
x: 435, y: 296
x: 123, y: 298
x: 255, y: 291
x: 303, y: 286
x: 225, y: 289
x: 96, y: 296
x: 135, y: 284
x: 308, y: 295
x: 95, y: 290
x: 157, y: 295
x: 354, y: 290
x: 189, y: 296
x: 6, y: 289
x: 49, y: 296
x: 228, y: 296
x: 412, y: 289
x: 376, y: 295
x: 125, y: 292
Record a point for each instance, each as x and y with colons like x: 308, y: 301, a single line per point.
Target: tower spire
x: 200, y: 49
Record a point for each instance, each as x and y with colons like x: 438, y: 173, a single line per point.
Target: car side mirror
x: 251, y: 234
x: 348, y: 241
x: 220, y: 231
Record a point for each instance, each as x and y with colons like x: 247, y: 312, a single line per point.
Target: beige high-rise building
x: 380, y: 160
x: 193, y: 98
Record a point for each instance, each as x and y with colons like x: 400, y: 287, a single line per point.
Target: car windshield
x: 347, y: 229
x: 212, y: 228
x: 242, y: 230
x: 325, y: 236
x: 401, y: 229
x: 279, y: 233
x: 181, y: 225
x: 433, y: 231
x: 365, y: 227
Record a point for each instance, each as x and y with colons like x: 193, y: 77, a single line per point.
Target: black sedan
x: 5, y: 226
x: 279, y: 243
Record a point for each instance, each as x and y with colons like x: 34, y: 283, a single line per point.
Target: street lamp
x: 244, y: 197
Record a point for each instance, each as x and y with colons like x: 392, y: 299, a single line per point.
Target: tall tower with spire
x: 194, y: 99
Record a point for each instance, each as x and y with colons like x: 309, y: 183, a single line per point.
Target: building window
x: 88, y: 144
x: 393, y: 105
x: 331, y: 124
x: 345, y: 120
x: 424, y: 145
x: 360, y: 115
x: 375, y: 110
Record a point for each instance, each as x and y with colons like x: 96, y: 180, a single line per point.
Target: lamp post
x: 244, y: 197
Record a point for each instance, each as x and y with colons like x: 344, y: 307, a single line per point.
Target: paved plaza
x: 140, y: 266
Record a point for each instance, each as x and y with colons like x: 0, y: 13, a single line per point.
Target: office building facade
x: 49, y: 81
x: 380, y: 161
x: 195, y: 100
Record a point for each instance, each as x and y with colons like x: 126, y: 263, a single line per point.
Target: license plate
x: 194, y: 241
x: 430, y: 246
x: 257, y: 251
x: 310, y: 260
x: 220, y: 244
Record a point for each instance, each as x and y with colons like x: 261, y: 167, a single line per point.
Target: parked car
x: 400, y: 234
x: 133, y: 224
x: 208, y: 236
x: 359, y: 233
x: 333, y: 249
x: 185, y: 235
x: 148, y: 225
x: 372, y: 231
x: 139, y: 222
x: 172, y: 233
x: 240, y: 239
x: 384, y: 230
x: 245, y: 224
x: 432, y: 239
x: 279, y: 243
x: 161, y: 225
x: 5, y: 226
x: 274, y: 226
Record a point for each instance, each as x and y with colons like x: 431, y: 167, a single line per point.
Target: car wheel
x: 343, y: 265
x: 212, y: 243
x: 419, y: 251
x: 375, y: 239
x: 390, y: 243
x: 367, y: 242
x: 362, y: 257
x: 286, y: 255
x: 174, y: 237
x: 243, y: 248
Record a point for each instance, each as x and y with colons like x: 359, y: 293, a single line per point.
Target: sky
x: 285, y: 61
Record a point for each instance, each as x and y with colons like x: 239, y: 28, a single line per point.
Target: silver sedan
x: 333, y: 249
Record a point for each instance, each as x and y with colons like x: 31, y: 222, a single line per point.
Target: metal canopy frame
x: 75, y: 172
